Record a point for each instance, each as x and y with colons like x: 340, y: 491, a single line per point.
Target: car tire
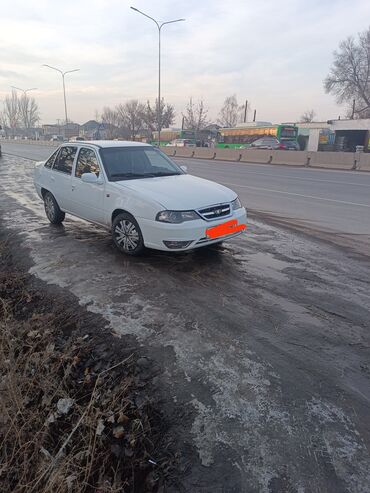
x: 52, y: 209
x: 126, y: 234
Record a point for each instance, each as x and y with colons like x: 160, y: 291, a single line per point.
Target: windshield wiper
x: 131, y: 175
x: 165, y: 173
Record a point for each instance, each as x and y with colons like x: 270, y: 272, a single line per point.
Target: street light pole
x: 159, y: 26
x: 63, y: 74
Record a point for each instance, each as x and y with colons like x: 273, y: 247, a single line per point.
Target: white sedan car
x: 141, y: 195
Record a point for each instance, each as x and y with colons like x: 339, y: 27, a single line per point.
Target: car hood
x: 180, y: 192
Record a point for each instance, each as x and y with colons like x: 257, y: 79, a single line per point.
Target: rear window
x: 50, y: 161
x: 64, y: 160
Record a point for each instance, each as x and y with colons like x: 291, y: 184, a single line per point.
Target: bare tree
x: 131, y: 115
x: 349, y: 77
x: 166, y: 116
x: 11, y: 111
x: 230, y: 112
x: 3, y: 123
x: 308, y: 116
x: 195, y: 117
x: 28, y: 111
x: 111, y: 119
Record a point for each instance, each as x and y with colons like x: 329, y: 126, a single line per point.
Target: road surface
x: 334, y: 205
x: 263, y: 345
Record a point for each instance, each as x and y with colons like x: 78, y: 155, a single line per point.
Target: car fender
x: 132, y: 202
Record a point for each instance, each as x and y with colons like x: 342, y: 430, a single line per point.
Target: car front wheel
x: 52, y: 209
x: 127, y: 234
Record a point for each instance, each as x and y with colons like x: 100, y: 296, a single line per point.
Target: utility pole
x: 245, y: 110
x: 159, y: 26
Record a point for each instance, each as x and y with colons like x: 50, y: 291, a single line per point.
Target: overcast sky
x: 273, y: 53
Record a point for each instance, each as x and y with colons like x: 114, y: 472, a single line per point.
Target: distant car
x: 274, y: 144
x: 182, y: 143
x: 291, y: 145
x: 139, y: 194
x: 270, y: 143
x: 76, y: 139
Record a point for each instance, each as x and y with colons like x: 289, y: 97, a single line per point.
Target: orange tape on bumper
x: 228, y: 228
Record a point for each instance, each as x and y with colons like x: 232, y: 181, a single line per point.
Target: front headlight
x: 176, y: 216
x: 236, y: 204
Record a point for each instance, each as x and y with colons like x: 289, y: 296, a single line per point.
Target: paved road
x: 263, y: 345
x: 327, y: 203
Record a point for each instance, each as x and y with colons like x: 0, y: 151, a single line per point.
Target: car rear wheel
x: 52, y: 209
x: 127, y: 234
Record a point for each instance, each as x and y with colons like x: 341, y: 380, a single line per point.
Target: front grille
x: 215, y: 211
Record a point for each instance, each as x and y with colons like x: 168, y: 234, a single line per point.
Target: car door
x: 88, y: 198
x: 60, y: 176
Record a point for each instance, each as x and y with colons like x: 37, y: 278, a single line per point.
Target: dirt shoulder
x: 79, y: 412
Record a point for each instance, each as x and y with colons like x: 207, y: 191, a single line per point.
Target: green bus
x: 243, y: 136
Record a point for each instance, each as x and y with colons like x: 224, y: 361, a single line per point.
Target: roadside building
x: 351, y: 134
x: 335, y: 135
x: 312, y: 135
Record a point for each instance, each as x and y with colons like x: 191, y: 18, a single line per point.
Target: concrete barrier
x: 228, y: 154
x: 292, y: 158
x: 335, y: 160
x: 363, y: 163
x: 255, y: 156
x: 170, y: 151
x: 45, y: 143
x: 204, y: 153
x: 185, y: 151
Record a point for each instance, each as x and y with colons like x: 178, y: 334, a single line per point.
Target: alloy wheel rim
x: 49, y: 207
x: 126, y: 235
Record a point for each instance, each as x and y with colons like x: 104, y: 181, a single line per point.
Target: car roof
x: 110, y: 143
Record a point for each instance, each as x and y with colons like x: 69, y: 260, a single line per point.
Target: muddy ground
x: 78, y: 412
x: 263, y: 344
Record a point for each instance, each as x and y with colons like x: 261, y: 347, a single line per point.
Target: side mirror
x: 184, y: 168
x: 89, y: 178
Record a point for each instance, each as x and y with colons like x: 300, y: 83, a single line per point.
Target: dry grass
x: 106, y: 440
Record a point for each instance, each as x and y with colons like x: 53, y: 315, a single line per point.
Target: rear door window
x: 64, y: 160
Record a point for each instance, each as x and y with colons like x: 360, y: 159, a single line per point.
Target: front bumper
x: 155, y: 232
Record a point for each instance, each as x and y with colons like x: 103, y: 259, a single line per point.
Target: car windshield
x: 128, y: 163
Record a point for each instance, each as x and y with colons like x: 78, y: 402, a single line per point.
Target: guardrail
x: 329, y: 160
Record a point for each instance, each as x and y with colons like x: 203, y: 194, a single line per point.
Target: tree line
x: 133, y: 117
x: 19, y: 112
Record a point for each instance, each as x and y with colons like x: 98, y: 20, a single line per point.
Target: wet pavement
x: 265, y: 342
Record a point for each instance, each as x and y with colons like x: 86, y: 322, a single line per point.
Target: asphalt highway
x: 332, y: 204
